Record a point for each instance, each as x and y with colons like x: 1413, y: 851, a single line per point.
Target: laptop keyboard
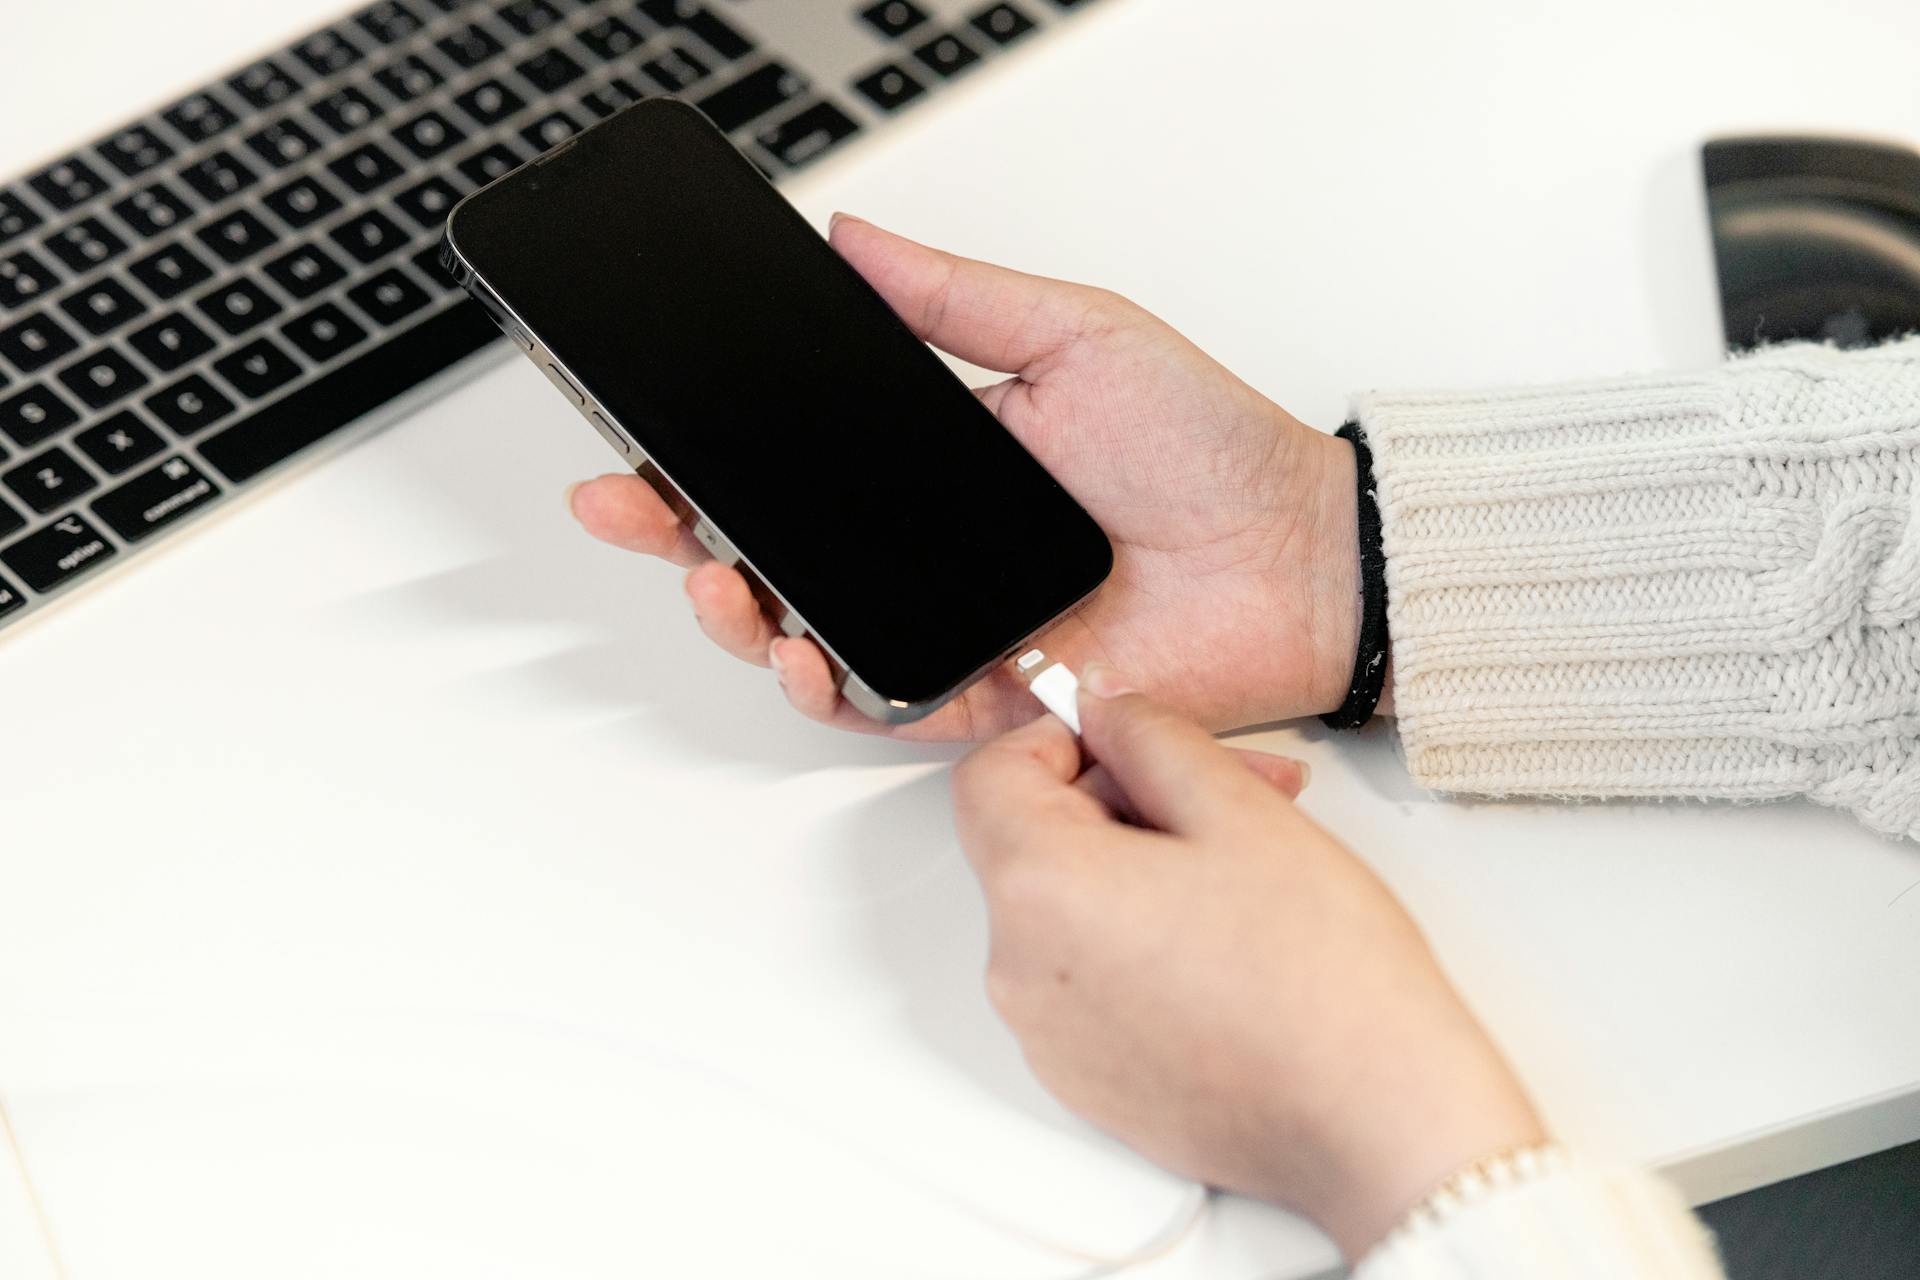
x: 203, y: 295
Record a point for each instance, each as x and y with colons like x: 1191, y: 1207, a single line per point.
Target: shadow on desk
x: 930, y: 934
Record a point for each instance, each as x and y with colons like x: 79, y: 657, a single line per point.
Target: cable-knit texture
x: 1692, y: 585
x: 1573, y: 1222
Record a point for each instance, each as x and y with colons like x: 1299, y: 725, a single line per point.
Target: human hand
x: 1197, y: 967
x: 1234, y: 586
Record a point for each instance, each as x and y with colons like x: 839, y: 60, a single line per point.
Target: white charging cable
x: 1054, y: 684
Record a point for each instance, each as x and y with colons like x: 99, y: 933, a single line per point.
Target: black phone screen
x: 851, y: 468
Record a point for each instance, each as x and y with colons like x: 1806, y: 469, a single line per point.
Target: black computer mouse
x: 1815, y: 238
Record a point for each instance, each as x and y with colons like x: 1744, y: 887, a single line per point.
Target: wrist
x: 1389, y: 1163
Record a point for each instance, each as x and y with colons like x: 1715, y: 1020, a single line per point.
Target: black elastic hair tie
x: 1370, y: 662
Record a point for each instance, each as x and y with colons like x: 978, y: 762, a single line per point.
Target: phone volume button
x: 611, y: 433
x: 565, y: 383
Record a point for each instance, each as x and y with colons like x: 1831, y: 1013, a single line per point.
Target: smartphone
x: 778, y: 404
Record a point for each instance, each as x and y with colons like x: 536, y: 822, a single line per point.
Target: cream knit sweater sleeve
x: 1681, y: 585
x: 1564, y: 1221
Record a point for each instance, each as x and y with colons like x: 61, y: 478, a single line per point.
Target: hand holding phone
x: 1234, y: 591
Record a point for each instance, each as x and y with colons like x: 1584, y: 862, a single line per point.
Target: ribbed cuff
x: 1701, y: 585
x: 1567, y: 1221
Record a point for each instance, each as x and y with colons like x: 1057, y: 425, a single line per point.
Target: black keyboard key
x: 170, y: 342
x: 889, y: 88
x: 239, y: 306
x: 258, y: 368
x: 717, y: 34
x: 366, y: 168
x: 315, y: 411
x: 218, y: 176
x: 702, y: 22
x: 35, y: 342
x: 324, y: 332
x: 327, y: 52
x: 485, y: 165
x: 346, y: 111
x: 427, y: 263
x: 428, y: 135
x: 806, y: 135
x: 264, y: 84
x: 610, y: 39
x: 550, y: 130
x: 389, y: 297
x: 237, y: 236
x: 305, y: 271
x: 155, y: 498
x: 85, y: 244
x: 10, y: 597
x: 529, y: 17
x: 171, y: 271
x: 676, y: 69
x: 103, y: 306
x: 489, y: 102
x: 23, y: 278
x: 389, y: 22
x: 48, y: 480
x: 31, y: 415
x: 64, y: 549
x: 894, y: 17
x: 428, y: 203
x: 152, y: 210
x: 189, y: 405
x: 16, y: 216
x: 468, y: 47
x: 134, y: 150
x: 1001, y: 23
x: 283, y: 143
x: 67, y: 184
x: 102, y: 377
x: 200, y: 117
x: 301, y: 202
x: 627, y: 89
x: 120, y: 442
x: 946, y: 55
x: 369, y: 237
x: 599, y: 103
x: 411, y: 77
x: 550, y: 70
x: 751, y: 96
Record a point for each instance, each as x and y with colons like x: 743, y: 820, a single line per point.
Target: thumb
x: 990, y: 316
x: 1176, y: 776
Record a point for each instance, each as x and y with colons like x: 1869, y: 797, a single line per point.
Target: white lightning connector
x: 1057, y: 688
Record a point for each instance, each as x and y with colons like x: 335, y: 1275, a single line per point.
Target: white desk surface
x: 393, y: 884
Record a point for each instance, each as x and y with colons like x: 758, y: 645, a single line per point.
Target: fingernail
x: 839, y: 218
x: 1102, y: 681
x: 776, y: 662
x: 571, y: 490
x: 1306, y: 773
